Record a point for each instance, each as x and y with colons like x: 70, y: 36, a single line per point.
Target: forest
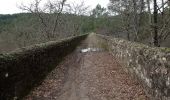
x: 145, y: 21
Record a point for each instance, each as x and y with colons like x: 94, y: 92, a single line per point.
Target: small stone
x: 15, y: 98
x: 155, y: 56
x: 130, y: 60
x: 164, y: 71
x: 164, y: 59
x: 157, y: 70
x: 6, y: 75
x: 168, y: 81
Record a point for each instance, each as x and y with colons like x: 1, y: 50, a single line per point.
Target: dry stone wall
x: 151, y: 66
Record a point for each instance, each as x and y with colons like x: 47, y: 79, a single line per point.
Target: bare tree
x: 49, y: 15
x: 77, y: 13
x: 60, y: 9
x: 132, y: 13
x: 123, y: 9
x: 78, y: 8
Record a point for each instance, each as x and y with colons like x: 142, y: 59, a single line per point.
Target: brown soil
x: 88, y: 76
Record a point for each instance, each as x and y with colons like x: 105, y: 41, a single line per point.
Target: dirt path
x: 88, y: 76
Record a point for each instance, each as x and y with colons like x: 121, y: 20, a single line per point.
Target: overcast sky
x: 10, y: 6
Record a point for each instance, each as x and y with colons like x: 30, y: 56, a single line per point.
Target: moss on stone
x: 24, y: 64
x: 165, y: 50
x: 148, y: 64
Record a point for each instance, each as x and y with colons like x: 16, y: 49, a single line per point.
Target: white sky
x: 10, y: 6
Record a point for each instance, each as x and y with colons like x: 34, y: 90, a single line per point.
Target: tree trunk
x: 150, y: 21
x: 163, y: 8
x: 58, y: 16
x: 135, y: 20
x: 156, y: 41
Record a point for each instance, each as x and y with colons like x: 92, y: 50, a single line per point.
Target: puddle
x: 91, y: 50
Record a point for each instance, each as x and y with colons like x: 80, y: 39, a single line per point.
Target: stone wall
x: 25, y: 68
x: 151, y: 66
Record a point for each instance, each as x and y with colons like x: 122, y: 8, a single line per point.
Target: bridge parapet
x: 151, y: 66
x: 25, y: 68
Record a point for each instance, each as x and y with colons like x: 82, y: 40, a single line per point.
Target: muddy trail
x: 88, y: 75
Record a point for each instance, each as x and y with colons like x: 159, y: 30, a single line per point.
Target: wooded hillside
x: 134, y: 20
